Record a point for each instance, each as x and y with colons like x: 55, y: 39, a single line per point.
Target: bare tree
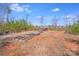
x: 1, y: 20
x: 74, y: 20
x: 55, y: 22
x: 41, y: 18
x: 7, y: 12
x: 77, y: 18
x: 66, y: 21
x: 27, y: 16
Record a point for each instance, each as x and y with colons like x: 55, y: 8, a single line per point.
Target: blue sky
x: 48, y: 10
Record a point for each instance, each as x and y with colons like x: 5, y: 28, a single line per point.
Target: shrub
x: 73, y: 29
x: 15, y: 26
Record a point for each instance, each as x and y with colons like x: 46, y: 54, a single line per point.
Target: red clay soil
x: 48, y: 43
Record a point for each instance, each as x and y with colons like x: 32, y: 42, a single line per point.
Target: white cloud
x: 27, y: 5
x: 55, y: 10
x: 29, y: 11
x: 12, y: 8
x: 16, y: 7
x: 26, y: 9
x: 38, y: 16
x: 19, y: 9
x: 70, y: 16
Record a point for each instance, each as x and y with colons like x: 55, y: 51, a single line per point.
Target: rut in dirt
x: 48, y: 43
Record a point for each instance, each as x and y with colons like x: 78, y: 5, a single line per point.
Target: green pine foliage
x: 15, y: 26
x: 73, y: 29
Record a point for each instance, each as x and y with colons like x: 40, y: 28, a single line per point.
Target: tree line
x: 12, y: 25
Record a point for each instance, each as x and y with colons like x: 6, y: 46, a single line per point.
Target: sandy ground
x: 48, y: 43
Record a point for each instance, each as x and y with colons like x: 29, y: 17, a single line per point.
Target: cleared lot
x: 47, y: 43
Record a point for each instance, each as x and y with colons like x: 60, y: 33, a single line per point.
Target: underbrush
x: 15, y: 26
x: 73, y: 29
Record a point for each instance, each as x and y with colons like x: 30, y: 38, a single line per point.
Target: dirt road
x: 48, y: 43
